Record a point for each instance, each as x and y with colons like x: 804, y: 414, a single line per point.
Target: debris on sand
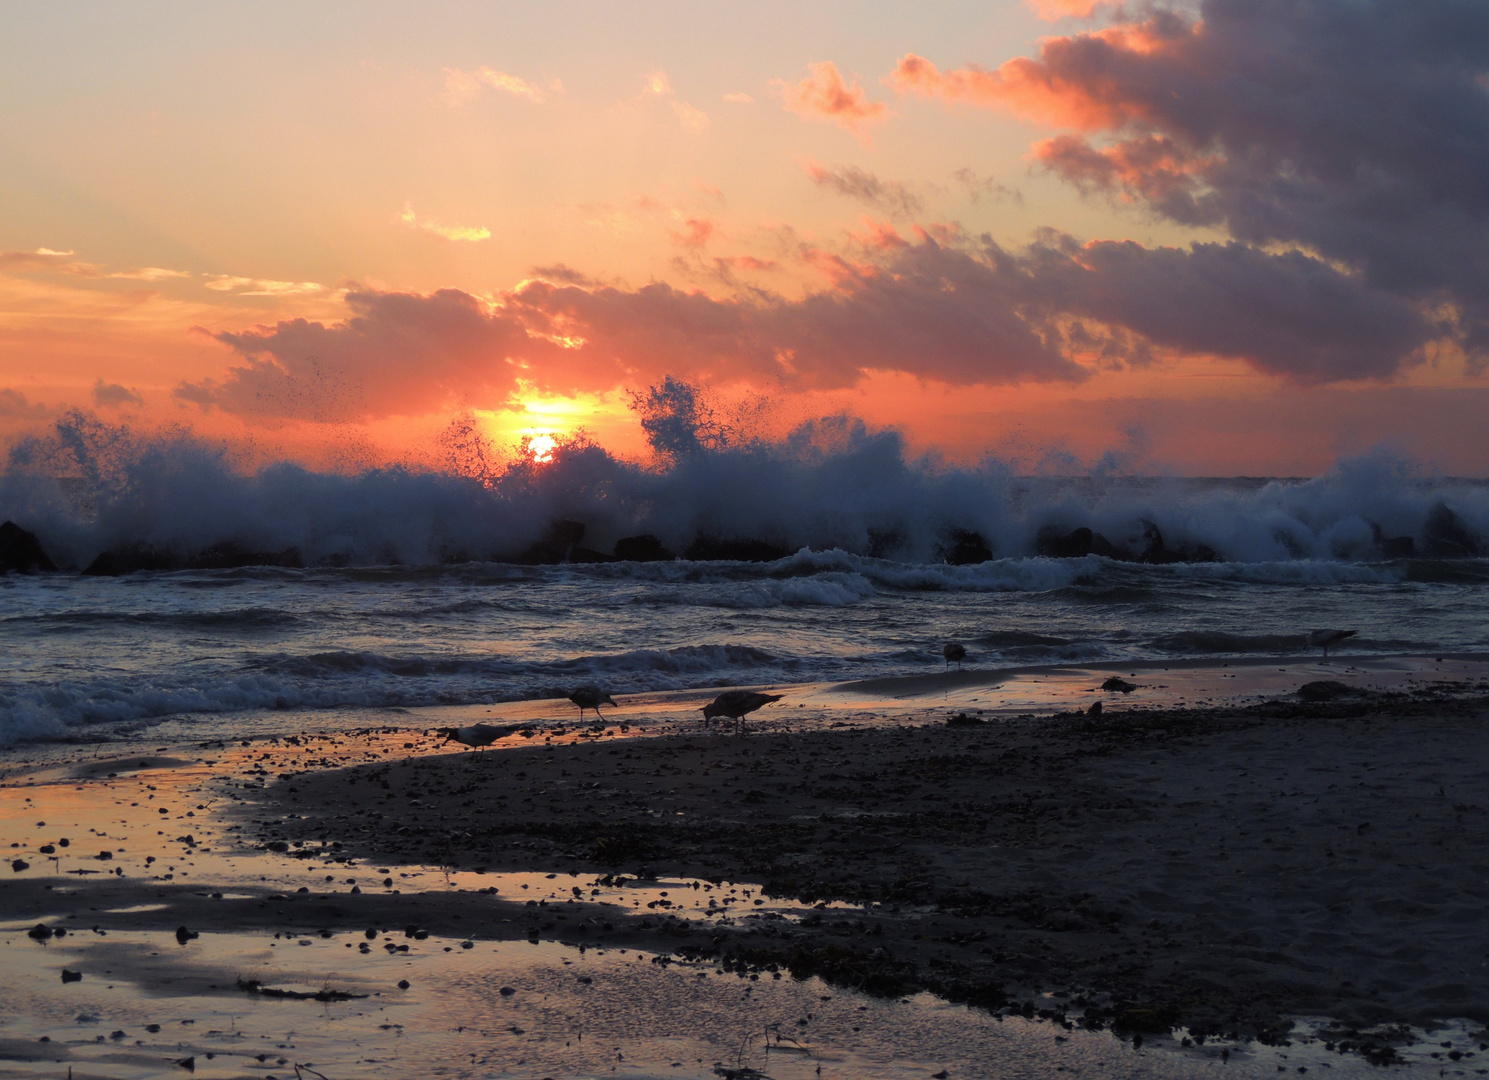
x: 1118, y: 685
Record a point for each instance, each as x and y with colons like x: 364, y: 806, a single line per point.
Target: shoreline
x: 1212, y: 871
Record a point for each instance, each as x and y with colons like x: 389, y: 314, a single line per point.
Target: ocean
x: 407, y: 588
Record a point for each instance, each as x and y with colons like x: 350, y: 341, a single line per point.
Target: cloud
x: 889, y: 196
x: 657, y: 83
x: 1353, y: 131
x: 981, y: 187
x: 694, y: 120
x: 61, y: 262
x: 1284, y: 314
x: 824, y: 95
x: 114, y: 396
x: 151, y: 273
x: 444, y: 232
x: 739, y: 99
x: 462, y: 86
x: 243, y: 286
x: 696, y: 232
x: 15, y: 406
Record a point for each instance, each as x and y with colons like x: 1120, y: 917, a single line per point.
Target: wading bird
x: 736, y: 703
x: 478, y: 735
x: 1326, y: 639
x: 591, y: 696
x: 955, y: 652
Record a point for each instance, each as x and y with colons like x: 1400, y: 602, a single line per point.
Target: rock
x: 1095, y: 710
x: 643, y: 548
x: 39, y: 932
x: 1158, y: 553
x: 1118, y: 685
x: 231, y: 556
x: 184, y: 935
x: 131, y: 559
x: 1052, y: 543
x: 17, y: 865
x: 589, y: 555
x: 712, y: 549
x: 1327, y: 690
x: 557, y: 545
x: 962, y: 547
x: 71, y: 976
x: 188, y: 1063
x: 963, y: 720
x: 1444, y: 536
x: 21, y: 551
x: 1392, y: 547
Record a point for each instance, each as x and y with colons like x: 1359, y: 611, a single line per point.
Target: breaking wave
x: 833, y: 486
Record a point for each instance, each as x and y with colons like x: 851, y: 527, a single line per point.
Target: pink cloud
x: 824, y: 95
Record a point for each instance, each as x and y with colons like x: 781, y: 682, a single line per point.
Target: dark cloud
x: 1285, y: 314
x: 1357, y: 130
x: 114, y: 396
x: 887, y: 196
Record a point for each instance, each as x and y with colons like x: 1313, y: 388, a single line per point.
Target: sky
x: 1209, y: 238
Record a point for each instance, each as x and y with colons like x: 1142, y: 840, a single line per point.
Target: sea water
x: 404, y: 600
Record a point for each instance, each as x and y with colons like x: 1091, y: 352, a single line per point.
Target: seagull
x: 590, y: 696
x: 478, y: 735
x: 955, y: 652
x: 1327, y: 638
x: 736, y: 703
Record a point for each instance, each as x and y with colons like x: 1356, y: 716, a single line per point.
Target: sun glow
x: 539, y: 446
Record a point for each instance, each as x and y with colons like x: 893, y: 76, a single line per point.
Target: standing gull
x: 478, y: 735
x: 955, y: 652
x: 590, y: 696
x: 736, y: 703
x: 1326, y: 639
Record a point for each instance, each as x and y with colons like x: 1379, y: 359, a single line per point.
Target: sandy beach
x: 1168, y: 874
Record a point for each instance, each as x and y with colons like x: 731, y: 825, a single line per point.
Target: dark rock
x: 961, y: 719
x: 39, y: 932
x: 17, y: 865
x: 557, y: 545
x: 184, y: 935
x: 1392, y: 547
x: 1327, y: 690
x: 21, y: 551
x: 588, y: 555
x: 712, y: 549
x: 1118, y: 685
x: 1156, y: 552
x: 1095, y: 710
x: 643, y: 548
x: 71, y: 976
x: 962, y: 547
x: 1444, y: 536
x: 884, y: 543
x: 1052, y: 543
x: 230, y: 556
x: 131, y: 559
x: 187, y: 1063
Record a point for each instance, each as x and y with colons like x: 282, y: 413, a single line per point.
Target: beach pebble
x: 19, y: 864
x: 71, y: 976
x: 403, y: 984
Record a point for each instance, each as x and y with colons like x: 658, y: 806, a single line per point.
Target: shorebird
x: 1325, y: 639
x: 955, y: 652
x: 478, y: 735
x: 736, y: 703
x: 590, y: 696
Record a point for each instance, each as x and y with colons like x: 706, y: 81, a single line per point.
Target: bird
x: 590, y: 696
x: 736, y: 703
x: 1325, y: 639
x: 955, y: 652
x: 478, y: 735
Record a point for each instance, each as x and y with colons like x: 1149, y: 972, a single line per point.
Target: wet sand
x: 1217, y: 871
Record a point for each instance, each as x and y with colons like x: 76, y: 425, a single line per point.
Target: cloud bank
x: 1355, y: 131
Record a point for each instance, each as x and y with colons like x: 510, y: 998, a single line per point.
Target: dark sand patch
x: 1223, y: 870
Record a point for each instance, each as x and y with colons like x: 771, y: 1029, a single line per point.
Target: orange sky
x: 326, y: 236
